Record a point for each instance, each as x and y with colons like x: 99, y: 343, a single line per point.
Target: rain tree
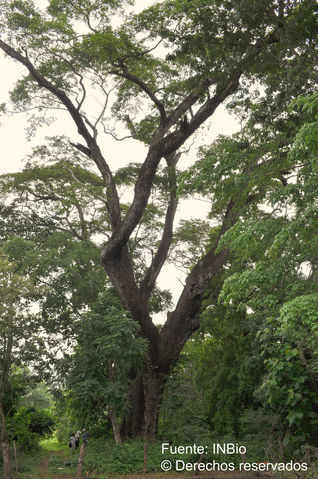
x: 170, y: 67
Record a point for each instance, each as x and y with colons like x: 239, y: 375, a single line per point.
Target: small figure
x: 72, y: 443
x: 77, y: 439
x: 184, y: 123
x: 85, y: 437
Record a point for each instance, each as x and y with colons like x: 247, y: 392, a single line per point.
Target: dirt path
x: 44, y: 471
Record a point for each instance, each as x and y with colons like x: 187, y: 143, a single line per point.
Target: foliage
x: 215, y: 378
x: 279, y: 290
x: 16, y: 323
x: 258, y: 341
x: 99, y: 373
x: 28, y: 425
x: 183, y: 415
x: 290, y: 385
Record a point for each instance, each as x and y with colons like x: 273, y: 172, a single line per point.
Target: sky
x: 15, y: 147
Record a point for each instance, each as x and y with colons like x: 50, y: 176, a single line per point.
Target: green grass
x: 60, y: 459
x: 28, y: 462
x: 102, y: 456
x: 52, y: 444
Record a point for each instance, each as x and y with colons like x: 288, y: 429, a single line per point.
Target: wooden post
x: 199, y: 461
x: 15, y: 456
x: 80, y: 461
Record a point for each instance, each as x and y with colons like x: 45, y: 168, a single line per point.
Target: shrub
x: 28, y: 425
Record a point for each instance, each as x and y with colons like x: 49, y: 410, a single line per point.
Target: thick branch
x: 135, y: 212
x: 188, y: 102
x: 176, y: 139
x: 120, y: 271
x: 163, y: 146
x: 184, y: 320
x: 84, y: 233
x: 113, y: 200
x: 160, y: 257
x: 43, y: 82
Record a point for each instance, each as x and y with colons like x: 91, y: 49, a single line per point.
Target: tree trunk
x: 111, y: 411
x: 153, y: 382
x: 144, y: 398
x: 5, y: 446
x: 133, y: 420
x: 114, y: 421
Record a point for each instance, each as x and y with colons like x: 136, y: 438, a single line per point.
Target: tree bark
x: 146, y: 391
x: 133, y: 419
x: 115, y: 425
x: 153, y: 382
x: 144, y: 398
x: 5, y: 446
x: 111, y: 411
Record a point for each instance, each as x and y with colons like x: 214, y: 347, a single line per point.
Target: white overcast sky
x: 15, y: 147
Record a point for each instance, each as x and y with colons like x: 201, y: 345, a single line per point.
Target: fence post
x: 80, y: 461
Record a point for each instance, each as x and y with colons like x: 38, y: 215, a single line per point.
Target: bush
x: 28, y: 425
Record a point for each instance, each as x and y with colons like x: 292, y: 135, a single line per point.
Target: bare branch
x: 84, y: 234
x: 76, y: 73
x: 145, y: 52
x: 129, y: 76
x: 108, y: 132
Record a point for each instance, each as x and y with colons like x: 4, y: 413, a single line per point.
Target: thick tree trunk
x: 5, y: 446
x: 145, y: 398
x: 133, y: 420
x: 153, y: 382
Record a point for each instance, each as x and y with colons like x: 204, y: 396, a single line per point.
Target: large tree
x: 171, y: 65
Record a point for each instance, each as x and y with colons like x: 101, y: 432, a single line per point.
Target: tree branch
x: 184, y: 320
x: 113, y: 204
x: 160, y: 257
x: 129, y: 76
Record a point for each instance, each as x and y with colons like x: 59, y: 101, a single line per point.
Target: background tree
x: 99, y: 372
x: 16, y: 323
x: 211, y: 51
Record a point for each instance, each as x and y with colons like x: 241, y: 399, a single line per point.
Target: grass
x: 103, y: 460
x: 52, y: 444
x: 50, y: 460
